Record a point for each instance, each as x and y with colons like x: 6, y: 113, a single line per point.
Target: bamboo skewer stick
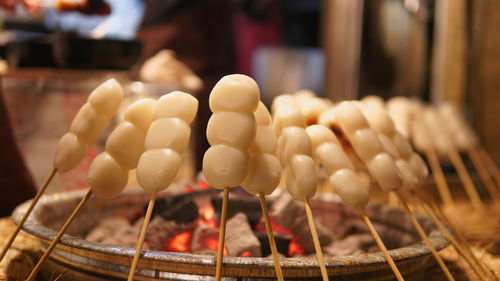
x: 475, y: 157
x: 465, y: 179
x: 438, y: 210
x: 459, y: 236
x: 380, y: 244
x: 222, y: 235
x: 61, y: 232
x: 314, y: 234
x: 142, y: 235
x: 472, y: 263
x: 270, y: 236
x: 424, y: 237
x: 272, y: 242
x: 490, y: 164
x: 439, y: 179
x: 34, y: 201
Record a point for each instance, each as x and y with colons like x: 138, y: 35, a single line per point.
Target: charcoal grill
x: 85, y: 260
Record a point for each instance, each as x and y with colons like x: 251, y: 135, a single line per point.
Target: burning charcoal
x: 301, y: 230
x: 282, y: 243
x: 179, y: 242
x: 394, y: 218
x: 285, y: 210
x: 332, y: 214
x: 250, y: 206
x: 205, y: 240
x: 181, y: 208
x: 349, y: 227
x: 291, y: 215
x: 352, y: 244
x: 395, y: 237
x: 240, y: 237
x: 160, y: 230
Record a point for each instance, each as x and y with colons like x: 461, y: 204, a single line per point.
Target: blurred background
x: 55, y: 52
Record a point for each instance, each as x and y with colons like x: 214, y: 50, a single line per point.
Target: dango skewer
x: 108, y: 172
x: 379, y: 163
x: 231, y: 131
x: 466, y: 140
x: 264, y: 173
x: 399, y: 109
x: 347, y: 184
x: 421, y: 138
x: 295, y: 153
x: 411, y: 166
x: 166, y: 140
x: 86, y: 128
x: 445, y: 146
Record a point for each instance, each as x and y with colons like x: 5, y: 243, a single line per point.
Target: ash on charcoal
x: 350, y: 227
x: 107, y: 227
x: 250, y: 206
x: 395, y: 229
x: 291, y: 215
x: 282, y: 243
x: 160, y: 230
x: 350, y: 245
x: 181, y: 208
x: 205, y: 239
x: 116, y: 231
x: 240, y: 237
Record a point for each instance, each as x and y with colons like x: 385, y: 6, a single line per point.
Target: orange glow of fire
x: 207, y: 215
x: 294, y: 247
x: 179, y: 243
x: 246, y: 254
x: 182, y: 241
x: 213, y: 244
x: 277, y: 228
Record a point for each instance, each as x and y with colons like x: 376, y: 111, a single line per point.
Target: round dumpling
x: 225, y: 166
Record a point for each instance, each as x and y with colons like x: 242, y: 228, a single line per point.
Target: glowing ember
x: 277, y: 228
x: 294, y: 248
x: 246, y: 254
x: 207, y: 216
x: 205, y: 235
x: 213, y: 244
x: 179, y: 243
